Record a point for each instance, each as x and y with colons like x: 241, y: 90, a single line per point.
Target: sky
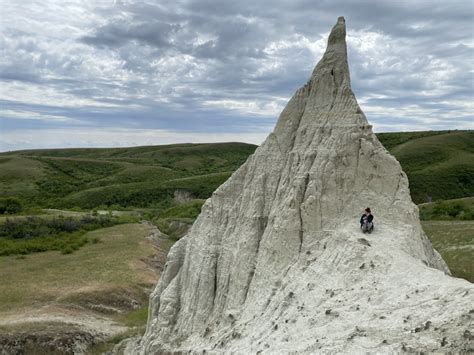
x: 100, y: 73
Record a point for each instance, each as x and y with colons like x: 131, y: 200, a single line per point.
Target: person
x: 366, y: 221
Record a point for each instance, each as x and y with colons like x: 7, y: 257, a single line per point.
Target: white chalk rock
x: 276, y: 261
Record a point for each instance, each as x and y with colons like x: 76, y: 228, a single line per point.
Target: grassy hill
x: 439, y: 164
x: 118, y: 177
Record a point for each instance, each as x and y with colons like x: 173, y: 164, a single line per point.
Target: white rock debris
x: 276, y: 262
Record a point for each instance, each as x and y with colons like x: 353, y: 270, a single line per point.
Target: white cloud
x: 272, y: 107
x: 35, y: 94
x: 31, y: 115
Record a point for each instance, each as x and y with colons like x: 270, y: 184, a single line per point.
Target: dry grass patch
x: 455, y: 242
x: 51, y: 277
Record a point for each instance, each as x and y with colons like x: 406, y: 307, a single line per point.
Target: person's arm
x: 362, y: 219
x: 370, y: 218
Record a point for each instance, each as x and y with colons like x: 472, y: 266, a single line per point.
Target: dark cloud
x: 118, y: 33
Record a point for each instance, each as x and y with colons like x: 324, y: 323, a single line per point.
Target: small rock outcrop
x: 276, y: 261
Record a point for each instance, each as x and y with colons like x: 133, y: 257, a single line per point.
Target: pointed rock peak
x: 335, y: 58
x: 338, y: 33
x: 276, y: 255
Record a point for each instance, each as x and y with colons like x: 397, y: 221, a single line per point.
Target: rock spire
x: 276, y: 261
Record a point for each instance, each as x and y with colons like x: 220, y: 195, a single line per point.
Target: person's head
x: 367, y: 210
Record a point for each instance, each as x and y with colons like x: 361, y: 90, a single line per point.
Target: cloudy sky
x: 123, y: 73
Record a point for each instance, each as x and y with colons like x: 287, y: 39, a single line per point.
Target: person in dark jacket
x: 366, y: 221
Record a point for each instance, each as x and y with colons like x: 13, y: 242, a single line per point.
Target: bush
x: 190, y: 209
x: 447, y: 210
x: 150, y: 215
x: 67, y: 250
x: 10, y: 205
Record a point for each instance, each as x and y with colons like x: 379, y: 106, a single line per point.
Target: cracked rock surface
x: 276, y: 261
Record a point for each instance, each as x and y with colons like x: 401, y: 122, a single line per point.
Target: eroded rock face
x: 275, y: 261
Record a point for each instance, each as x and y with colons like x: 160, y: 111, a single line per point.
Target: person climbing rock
x: 366, y: 221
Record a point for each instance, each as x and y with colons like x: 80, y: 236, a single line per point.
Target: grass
x: 175, y: 221
x: 189, y: 209
x: 393, y: 139
x: 138, y: 177
x: 114, y: 263
x: 199, y: 186
x: 439, y: 165
x: 194, y: 159
x: 107, y: 346
x: 174, y: 228
x: 18, y: 176
x: 25, y: 235
x: 66, y: 243
x: 135, y: 318
x: 108, y: 276
x: 454, y: 240
x: 450, y: 226
x: 460, y: 209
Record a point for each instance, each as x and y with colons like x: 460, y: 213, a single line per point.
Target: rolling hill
x: 118, y: 177
x: 439, y: 164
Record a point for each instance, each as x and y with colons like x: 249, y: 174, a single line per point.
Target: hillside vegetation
x: 32, y: 234
x: 439, y: 164
x: 117, y: 177
x: 456, y: 209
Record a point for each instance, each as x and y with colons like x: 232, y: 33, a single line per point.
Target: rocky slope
x: 276, y: 261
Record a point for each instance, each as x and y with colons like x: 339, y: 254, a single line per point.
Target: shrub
x: 451, y: 209
x: 67, y: 250
x: 446, y: 210
x: 10, y: 205
x: 188, y: 210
